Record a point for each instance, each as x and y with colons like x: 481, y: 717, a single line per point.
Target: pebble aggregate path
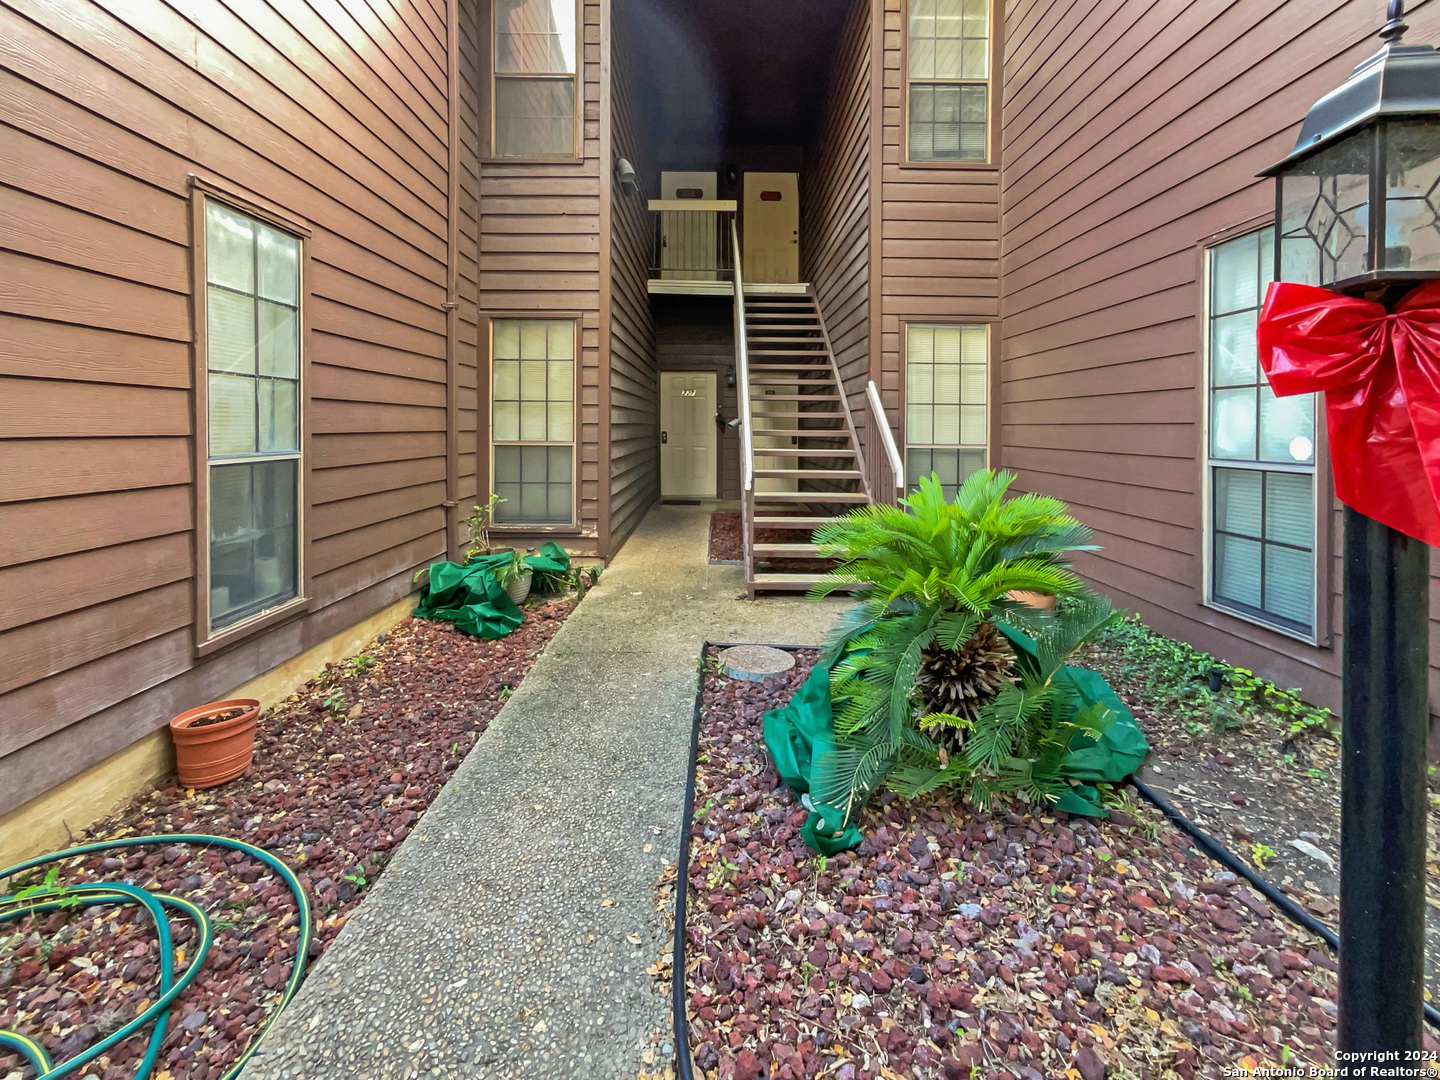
x: 511, y: 933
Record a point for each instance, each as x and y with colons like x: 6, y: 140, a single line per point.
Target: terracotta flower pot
x: 209, y: 752
x: 1034, y: 599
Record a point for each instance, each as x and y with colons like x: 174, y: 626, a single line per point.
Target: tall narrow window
x: 1261, y: 454
x: 252, y: 357
x: 533, y: 420
x: 534, y: 88
x: 946, y: 371
x: 948, y: 87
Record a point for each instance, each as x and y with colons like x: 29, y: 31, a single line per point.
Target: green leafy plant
x: 360, y: 664
x: 335, y: 703
x: 932, y: 575
x: 558, y: 582
x: 516, y: 568
x: 46, y: 891
x: 1260, y: 854
x: 478, y: 524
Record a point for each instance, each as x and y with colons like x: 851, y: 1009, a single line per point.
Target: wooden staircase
x: 805, y: 458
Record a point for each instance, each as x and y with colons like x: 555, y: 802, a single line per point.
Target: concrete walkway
x: 510, y: 935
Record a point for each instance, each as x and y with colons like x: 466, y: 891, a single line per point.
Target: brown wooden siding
x: 1132, y: 134
x: 835, y: 239
x: 939, y: 232
x: 697, y: 333
x: 540, y: 255
x: 634, y: 418
x: 332, y: 114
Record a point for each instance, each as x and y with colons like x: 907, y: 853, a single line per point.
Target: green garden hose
x: 54, y: 898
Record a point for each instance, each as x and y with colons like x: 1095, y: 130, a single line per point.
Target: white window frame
x: 1209, y: 464
x: 990, y: 82
x: 533, y: 527
x: 906, y: 444
x: 577, y: 80
x: 207, y: 639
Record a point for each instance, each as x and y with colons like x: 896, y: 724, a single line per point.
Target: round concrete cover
x: 755, y: 662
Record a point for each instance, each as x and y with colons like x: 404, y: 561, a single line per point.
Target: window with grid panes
x: 946, y: 375
x: 1261, y: 454
x: 534, y: 87
x: 948, y: 84
x: 533, y: 420
x: 252, y: 357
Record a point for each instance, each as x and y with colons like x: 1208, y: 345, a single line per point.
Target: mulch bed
x: 1019, y: 942
x: 727, y: 544
x: 1264, y: 793
x: 342, y: 771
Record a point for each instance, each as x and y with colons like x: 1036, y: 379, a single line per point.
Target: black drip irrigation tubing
x: 1207, y: 843
x: 1223, y: 855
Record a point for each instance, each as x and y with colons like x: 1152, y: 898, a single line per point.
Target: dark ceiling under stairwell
x: 712, y: 72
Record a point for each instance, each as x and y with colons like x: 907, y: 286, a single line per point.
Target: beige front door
x: 771, y: 246
x: 689, y: 437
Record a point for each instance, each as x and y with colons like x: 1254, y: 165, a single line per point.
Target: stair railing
x: 890, y: 488
x: 747, y: 437
x: 844, y: 398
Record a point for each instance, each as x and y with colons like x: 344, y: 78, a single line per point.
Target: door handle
x: 664, y: 436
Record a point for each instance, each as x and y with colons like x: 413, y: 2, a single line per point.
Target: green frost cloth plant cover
x: 472, y: 598
x: 801, y: 736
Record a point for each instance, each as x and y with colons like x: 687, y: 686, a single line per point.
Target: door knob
x: 664, y: 437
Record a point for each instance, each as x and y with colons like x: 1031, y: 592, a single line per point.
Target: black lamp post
x: 1357, y: 210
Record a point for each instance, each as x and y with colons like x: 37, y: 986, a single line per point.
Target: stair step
x: 795, y: 323
x: 790, y: 451
x: 811, y: 474
x: 790, y: 582
x: 822, y: 354
x: 793, y: 367
x: 784, y: 316
x: 787, y: 551
x: 811, y: 497
x: 828, y: 381
x: 788, y: 341
x: 797, y: 397
x: 810, y: 524
x: 819, y: 433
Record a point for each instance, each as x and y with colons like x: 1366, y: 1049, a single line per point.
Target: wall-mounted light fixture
x: 625, y: 174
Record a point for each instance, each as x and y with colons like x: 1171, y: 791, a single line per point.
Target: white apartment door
x: 772, y: 228
x: 689, y: 436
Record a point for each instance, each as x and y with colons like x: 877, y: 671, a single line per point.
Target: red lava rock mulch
x: 1017, y: 944
x: 342, y: 771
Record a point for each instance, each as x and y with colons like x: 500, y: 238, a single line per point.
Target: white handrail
x: 877, y: 412
x: 742, y: 370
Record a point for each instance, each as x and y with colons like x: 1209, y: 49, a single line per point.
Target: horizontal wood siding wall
x: 634, y: 466
x: 1132, y: 133
x: 105, y: 110
x: 540, y: 256
x: 835, y: 242
x: 940, y: 234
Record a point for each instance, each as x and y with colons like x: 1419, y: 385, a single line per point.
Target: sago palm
x: 931, y: 573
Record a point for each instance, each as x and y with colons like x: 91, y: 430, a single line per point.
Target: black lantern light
x: 1357, y: 210
x: 1357, y: 204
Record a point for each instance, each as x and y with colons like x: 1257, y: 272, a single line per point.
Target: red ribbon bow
x: 1381, y: 375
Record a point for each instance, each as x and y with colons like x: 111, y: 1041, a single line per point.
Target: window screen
x: 1262, y: 454
x: 946, y: 374
x: 252, y: 348
x: 533, y: 420
x: 535, y: 71
x: 948, y: 85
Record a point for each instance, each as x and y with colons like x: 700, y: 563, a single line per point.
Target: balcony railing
x: 693, y: 242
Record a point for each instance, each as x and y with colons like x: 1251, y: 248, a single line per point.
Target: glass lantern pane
x: 1412, y: 198
x: 1325, y: 211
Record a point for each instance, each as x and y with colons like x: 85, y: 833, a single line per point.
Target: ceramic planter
x: 209, y: 754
